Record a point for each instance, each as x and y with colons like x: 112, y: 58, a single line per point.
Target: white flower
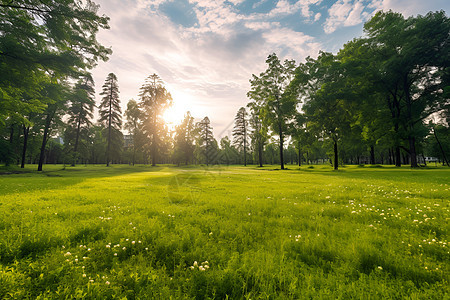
x: 195, y: 263
x: 133, y: 242
x: 68, y: 254
x: 107, y: 283
x: 380, y: 267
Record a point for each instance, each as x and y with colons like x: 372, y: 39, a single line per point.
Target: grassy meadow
x: 224, y: 233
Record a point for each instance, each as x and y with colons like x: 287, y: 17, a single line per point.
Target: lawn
x: 225, y: 232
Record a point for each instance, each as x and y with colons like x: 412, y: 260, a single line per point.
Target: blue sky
x: 207, y: 50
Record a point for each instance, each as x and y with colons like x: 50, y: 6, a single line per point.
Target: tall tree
x: 413, y: 53
x: 133, y: 125
x: 258, y: 132
x: 328, y: 109
x: 44, y: 43
x: 81, y: 112
x: 184, y: 140
x: 155, y: 99
x: 206, y: 139
x: 110, y: 112
x: 278, y: 102
x: 240, y: 132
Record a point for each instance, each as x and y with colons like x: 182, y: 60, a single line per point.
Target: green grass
x: 224, y: 232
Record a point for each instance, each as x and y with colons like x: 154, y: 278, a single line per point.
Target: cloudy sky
x: 207, y: 50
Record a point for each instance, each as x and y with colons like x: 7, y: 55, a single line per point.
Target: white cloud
x: 305, y: 7
x: 344, y: 13
x: 207, y: 66
x: 411, y: 7
x: 317, y: 17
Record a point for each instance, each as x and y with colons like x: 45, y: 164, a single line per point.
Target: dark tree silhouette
x: 110, y: 111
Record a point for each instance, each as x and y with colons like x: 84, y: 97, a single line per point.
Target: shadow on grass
x: 15, y: 180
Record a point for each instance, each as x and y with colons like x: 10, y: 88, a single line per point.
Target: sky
x: 206, y: 51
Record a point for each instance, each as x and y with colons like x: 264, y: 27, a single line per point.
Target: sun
x: 174, y: 115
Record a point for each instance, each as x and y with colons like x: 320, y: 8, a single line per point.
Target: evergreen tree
x: 133, y: 125
x: 184, y: 140
x: 111, y: 114
x: 240, y: 132
x: 205, y: 141
x: 155, y: 99
x: 80, y: 112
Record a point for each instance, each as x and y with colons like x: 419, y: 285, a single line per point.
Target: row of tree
x: 377, y: 99
x: 45, y: 46
x: 383, y: 90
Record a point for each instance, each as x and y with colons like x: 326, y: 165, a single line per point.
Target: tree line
x: 383, y: 97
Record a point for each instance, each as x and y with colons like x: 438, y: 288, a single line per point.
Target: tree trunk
x: 281, y: 146
x: 245, y: 144
x: 75, y: 148
x: 108, y: 149
x: 299, y: 154
x: 153, y: 153
x: 412, y: 152
x: 134, y: 153
x: 440, y: 147
x: 26, y: 130
x: 424, y: 160
x: 335, y: 155
x: 260, y: 154
x: 372, y: 155
x: 398, y: 162
x: 48, y: 121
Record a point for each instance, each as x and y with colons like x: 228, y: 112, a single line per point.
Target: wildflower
x: 68, y: 254
x: 107, y: 283
x: 108, y: 246
x: 84, y: 275
x: 115, y: 254
x: 380, y: 268
x: 133, y: 242
x: 195, y: 264
x: 124, y: 248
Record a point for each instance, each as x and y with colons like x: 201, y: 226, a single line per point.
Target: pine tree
x: 240, y: 132
x: 205, y: 139
x: 81, y: 111
x: 155, y: 99
x: 258, y: 132
x: 184, y: 140
x: 133, y: 124
x: 111, y: 113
